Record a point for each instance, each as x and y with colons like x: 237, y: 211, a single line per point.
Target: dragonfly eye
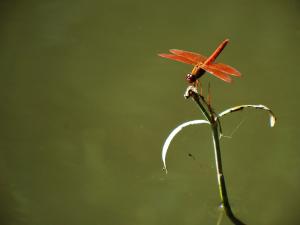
x: 190, y: 78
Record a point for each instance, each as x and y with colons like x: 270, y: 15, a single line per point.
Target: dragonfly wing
x: 223, y: 76
x: 177, y: 58
x: 192, y: 56
x: 225, y: 69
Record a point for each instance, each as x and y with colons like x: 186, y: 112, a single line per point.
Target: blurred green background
x: 86, y: 104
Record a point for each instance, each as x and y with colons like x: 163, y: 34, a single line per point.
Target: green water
x: 86, y: 105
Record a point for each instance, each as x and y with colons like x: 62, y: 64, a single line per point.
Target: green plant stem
x: 210, y: 115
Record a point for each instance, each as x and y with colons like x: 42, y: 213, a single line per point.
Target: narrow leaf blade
x: 173, y: 134
x: 241, y: 107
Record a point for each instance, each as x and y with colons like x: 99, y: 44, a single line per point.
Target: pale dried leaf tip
x: 272, y: 119
x: 173, y: 134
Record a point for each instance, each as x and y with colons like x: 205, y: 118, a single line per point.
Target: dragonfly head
x: 190, y: 78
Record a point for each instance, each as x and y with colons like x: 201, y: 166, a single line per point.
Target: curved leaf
x: 241, y: 107
x: 173, y: 134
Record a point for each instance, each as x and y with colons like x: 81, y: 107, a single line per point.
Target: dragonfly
x: 203, y: 64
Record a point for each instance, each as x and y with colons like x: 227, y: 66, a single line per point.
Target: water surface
x: 86, y: 105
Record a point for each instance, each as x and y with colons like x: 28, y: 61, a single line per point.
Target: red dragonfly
x: 203, y: 64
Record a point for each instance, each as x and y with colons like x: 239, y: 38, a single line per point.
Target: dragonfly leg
x: 200, y: 87
x: 209, y: 95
